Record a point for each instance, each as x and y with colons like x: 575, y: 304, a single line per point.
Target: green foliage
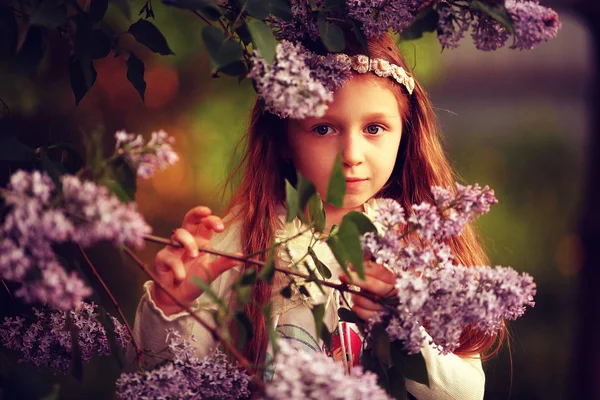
x: 427, y: 21
x: 345, y: 246
x: 331, y: 34
x: 221, y: 50
x: 264, y: 40
x: 146, y: 33
x: 336, y: 188
x: 497, y: 11
x: 135, y: 74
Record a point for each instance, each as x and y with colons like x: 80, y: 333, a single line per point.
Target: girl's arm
x: 152, y: 322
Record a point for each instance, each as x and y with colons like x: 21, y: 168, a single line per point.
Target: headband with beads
x: 363, y: 64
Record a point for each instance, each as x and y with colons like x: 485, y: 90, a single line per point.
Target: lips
x: 355, y: 179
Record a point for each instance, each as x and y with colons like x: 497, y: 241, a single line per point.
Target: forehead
x: 366, y: 93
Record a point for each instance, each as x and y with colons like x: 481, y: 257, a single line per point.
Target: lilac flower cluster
x: 533, y: 25
x: 286, y: 86
x: 187, y: 377
x: 47, y: 341
x: 533, y: 22
x: 147, y: 158
x: 433, y: 290
x: 302, y: 25
x: 379, y: 16
x: 38, y: 216
x: 301, y: 374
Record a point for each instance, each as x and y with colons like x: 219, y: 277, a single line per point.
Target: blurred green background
x: 513, y: 120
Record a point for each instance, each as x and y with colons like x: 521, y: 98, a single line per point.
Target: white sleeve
x: 450, y: 377
x: 151, y: 323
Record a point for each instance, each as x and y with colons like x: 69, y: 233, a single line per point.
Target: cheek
x: 314, y: 161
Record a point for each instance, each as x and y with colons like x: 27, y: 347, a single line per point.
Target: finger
x: 378, y: 271
x: 364, y: 314
x: 168, y: 262
x: 223, y: 264
x: 208, y: 226
x: 367, y: 304
x: 193, y: 217
x: 371, y: 284
x: 186, y: 239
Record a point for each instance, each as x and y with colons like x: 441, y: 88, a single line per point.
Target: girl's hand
x: 175, y: 267
x: 379, y: 281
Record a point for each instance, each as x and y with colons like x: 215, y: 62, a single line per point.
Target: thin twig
x: 7, y: 290
x: 138, y: 349
x: 201, y: 17
x: 344, y: 287
x: 215, y: 334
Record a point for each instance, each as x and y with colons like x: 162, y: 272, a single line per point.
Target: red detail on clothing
x: 352, y: 343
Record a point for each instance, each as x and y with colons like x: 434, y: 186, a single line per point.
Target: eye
x: 374, y: 129
x: 322, y: 130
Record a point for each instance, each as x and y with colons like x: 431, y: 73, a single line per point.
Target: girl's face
x: 364, y: 124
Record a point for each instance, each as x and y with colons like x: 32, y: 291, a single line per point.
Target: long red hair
x: 421, y: 163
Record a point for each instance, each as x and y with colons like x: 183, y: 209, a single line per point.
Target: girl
x: 387, y: 135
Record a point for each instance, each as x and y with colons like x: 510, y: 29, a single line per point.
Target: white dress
x: 450, y: 376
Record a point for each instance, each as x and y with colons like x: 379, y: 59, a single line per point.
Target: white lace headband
x: 363, y: 64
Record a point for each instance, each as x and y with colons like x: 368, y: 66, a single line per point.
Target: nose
x: 352, y: 149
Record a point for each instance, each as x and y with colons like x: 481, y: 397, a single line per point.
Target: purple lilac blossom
x: 47, y: 342
x: 487, y: 33
x: 329, y: 69
x: 433, y: 290
x: 188, y: 377
x: 378, y: 16
x: 287, y: 87
x: 453, y: 23
x: 156, y: 155
x: 302, y: 25
x: 38, y: 217
x: 302, y: 374
x: 533, y: 23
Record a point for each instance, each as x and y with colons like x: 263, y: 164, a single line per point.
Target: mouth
x: 349, y: 180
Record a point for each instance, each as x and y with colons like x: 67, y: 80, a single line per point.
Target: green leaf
x: 221, y: 50
x: 339, y: 252
x: 287, y: 291
x: 207, y: 289
x: 361, y: 221
x: 361, y: 37
x: 248, y: 277
x: 125, y: 176
x: 349, y: 236
x: 412, y: 366
x: 349, y: 316
x: 97, y: 10
x: 282, y: 9
x: 497, y: 12
x: 335, y: 5
x: 381, y: 344
x: 99, y: 44
x: 82, y: 76
x: 316, y: 212
x: 273, y: 336
x: 326, y: 336
x: 318, y: 312
x: 257, y: 8
x: 331, y: 35
x: 268, y: 271
x: 426, y: 21
x: 146, y: 33
x: 9, y: 32
x: 322, y: 268
x: 397, y: 385
x: 306, y: 190
x: 207, y: 8
x: 263, y: 40
x: 236, y: 68
x: 245, y: 329
x: 291, y: 202
x: 135, y: 74
x: 336, y: 188
x: 49, y: 16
